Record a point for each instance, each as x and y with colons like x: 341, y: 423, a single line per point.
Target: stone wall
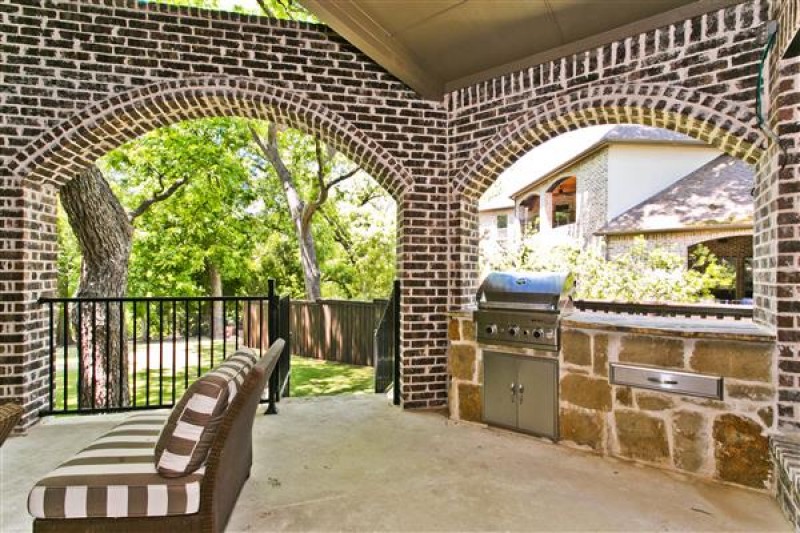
x: 722, y: 440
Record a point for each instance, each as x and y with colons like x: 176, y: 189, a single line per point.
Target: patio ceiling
x: 436, y: 46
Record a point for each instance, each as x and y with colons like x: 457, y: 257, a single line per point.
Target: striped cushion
x: 187, y: 436
x: 116, y: 477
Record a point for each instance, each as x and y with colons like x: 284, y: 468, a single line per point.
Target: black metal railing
x: 387, y: 346
x: 115, y: 354
x: 721, y: 312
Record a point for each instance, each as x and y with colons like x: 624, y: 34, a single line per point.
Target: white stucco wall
x: 491, y: 236
x: 637, y: 172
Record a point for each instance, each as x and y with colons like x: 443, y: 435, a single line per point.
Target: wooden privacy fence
x: 336, y: 330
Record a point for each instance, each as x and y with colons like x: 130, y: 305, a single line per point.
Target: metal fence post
x: 397, y: 354
x: 272, y: 331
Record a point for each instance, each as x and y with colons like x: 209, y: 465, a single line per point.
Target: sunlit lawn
x: 160, y: 370
x: 310, y: 377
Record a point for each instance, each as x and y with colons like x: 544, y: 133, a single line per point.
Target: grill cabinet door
x: 499, y: 403
x: 537, y: 396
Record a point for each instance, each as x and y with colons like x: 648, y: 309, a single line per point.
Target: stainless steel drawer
x: 667, y: 380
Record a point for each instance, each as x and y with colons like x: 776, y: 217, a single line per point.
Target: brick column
x: 785, y: 181
x: 464, y: 236
x: 424, y: 272
x: 28, y: 272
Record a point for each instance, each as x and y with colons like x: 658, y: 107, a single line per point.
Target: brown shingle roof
x: 717, y: 193
x: 624, y: 133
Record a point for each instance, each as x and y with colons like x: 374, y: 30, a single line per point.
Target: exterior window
x: 563, y: 194
x: 502, y: 221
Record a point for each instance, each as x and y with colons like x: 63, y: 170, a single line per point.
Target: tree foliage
x: 231, y: 212
x: 282, y: 9
x: 642, y: 274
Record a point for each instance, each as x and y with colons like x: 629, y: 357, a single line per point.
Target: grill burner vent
x: 523, y: 308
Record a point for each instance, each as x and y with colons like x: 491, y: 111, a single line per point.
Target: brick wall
x: 80, y: 77
x: 696, y: 77
x: 779, y: 201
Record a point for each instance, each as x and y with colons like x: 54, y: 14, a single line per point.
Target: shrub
x: 642, y: 274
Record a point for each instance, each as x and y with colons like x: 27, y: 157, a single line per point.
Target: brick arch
x: 79, y: 141
x: 726, y: 125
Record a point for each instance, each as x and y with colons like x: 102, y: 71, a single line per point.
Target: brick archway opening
x: 55, y: 157
x: 79, y: 141
x: 727, y: 126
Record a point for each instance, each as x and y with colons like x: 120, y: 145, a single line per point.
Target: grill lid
x: 549, y: 291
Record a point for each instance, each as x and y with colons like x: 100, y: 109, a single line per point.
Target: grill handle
x: 661, y: 381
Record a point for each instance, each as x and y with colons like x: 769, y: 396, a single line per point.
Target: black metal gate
x: 387, y: 347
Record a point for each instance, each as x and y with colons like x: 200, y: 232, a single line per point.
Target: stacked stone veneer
x: 724, y: 440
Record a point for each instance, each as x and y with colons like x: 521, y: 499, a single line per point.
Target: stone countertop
x: 699, y: 328
x: 464, y: 312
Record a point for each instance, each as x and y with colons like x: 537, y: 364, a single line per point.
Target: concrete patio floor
x: 354, y: 463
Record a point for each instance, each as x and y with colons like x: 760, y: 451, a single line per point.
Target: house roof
x: 623, y: 134
x: 716, y: 194
x: 496, y: 203
x: 437, y: 46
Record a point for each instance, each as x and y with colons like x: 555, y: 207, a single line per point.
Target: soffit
x: 436, y: 46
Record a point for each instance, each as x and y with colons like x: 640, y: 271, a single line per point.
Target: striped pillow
x: 188, y: 434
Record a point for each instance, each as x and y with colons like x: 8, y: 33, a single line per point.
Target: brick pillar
x: 28, y: 272
x: 464, y: 250
x: 785, y: 182
x: 423, y: 271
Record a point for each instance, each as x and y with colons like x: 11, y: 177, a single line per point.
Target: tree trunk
x: 104, y: 235
x: 308, y: 260
x: 300, y: 211
x: 217, y: 320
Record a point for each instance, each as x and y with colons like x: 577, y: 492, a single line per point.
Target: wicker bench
x: 113, y: 484
x: 10, y: 415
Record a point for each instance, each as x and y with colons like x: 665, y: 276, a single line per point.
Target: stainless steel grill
x: 523, y: 309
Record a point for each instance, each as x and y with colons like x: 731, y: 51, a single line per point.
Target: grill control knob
x: 513, y: 331
x: 538, y: 333
x: 491, y: 329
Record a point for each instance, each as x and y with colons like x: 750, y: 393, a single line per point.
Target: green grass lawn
x: 310, y: 377
x: 159, y: 388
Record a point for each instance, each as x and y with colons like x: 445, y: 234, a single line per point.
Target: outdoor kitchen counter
x: 722, y: 438
x: 743, y: 330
